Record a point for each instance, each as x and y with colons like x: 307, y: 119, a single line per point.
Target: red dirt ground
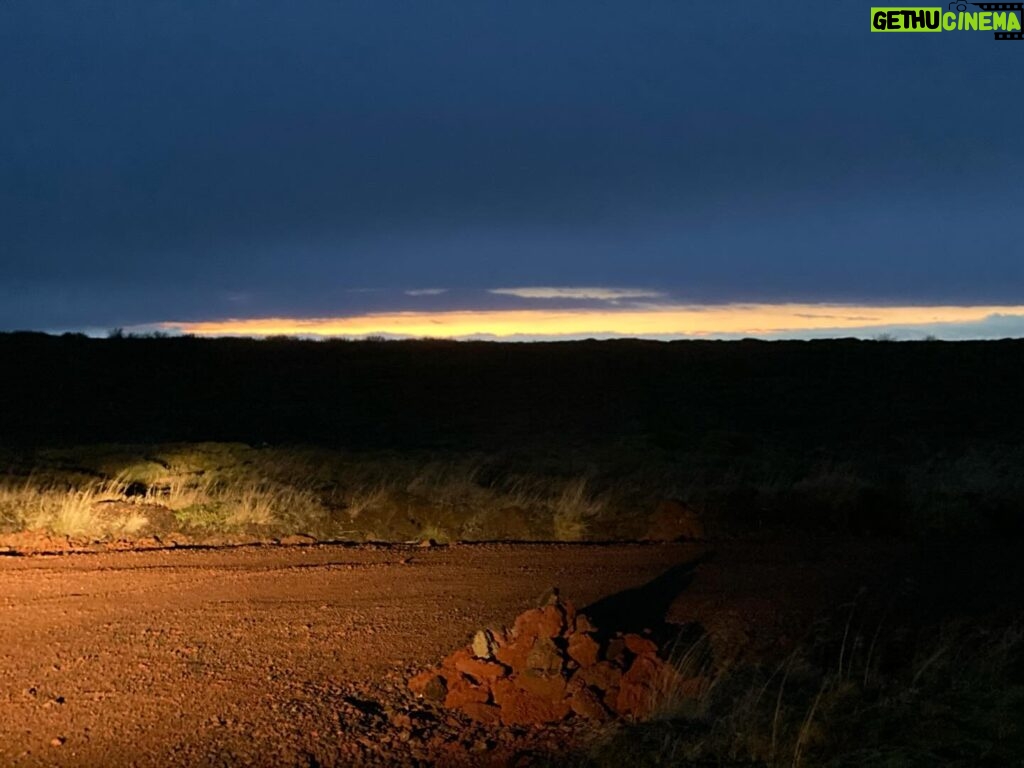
x: 259, y: 656
x: 299, y: 656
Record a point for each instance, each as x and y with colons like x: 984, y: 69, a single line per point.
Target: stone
x: 640, y: 687
x: 548, y: 667
x: 585, y: 703
x: 456, y: 657
x: 568, y: 615
x: 615, y: 651
x: 513, y: 653
x: 545, y: 658
x: 583, y: 623
x: 430, y: 685
x: 603, y: 676
x: 483, y: 644
x: 549, y: 596
x: 551, y: 688
x: 548, y: 621
x: 480, y: 670
x: 552, y: 597
x: 632, y: 701
x: 647, y: 670
x: 641, y: 646
x: 462, y: 691
x: 583, y: 649
x: 554, y: 619
x: 520, y: 707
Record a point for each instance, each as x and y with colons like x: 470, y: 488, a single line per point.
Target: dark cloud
x: 171, y: 160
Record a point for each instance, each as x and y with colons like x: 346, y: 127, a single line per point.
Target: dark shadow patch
x: 645, y: 607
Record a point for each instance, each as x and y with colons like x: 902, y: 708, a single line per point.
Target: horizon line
x: 639, y: 321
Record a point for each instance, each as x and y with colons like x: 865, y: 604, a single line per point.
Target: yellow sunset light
x: 696, y: 320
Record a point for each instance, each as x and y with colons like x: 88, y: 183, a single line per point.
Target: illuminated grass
x: 214, y: 489
x: 75, y: 512
x: 574, y: 511
x: 609, y: 494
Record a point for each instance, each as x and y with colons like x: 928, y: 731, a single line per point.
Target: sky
x: 509, y: 170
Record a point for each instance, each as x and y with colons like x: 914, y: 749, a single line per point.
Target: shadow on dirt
x: 645, y: 608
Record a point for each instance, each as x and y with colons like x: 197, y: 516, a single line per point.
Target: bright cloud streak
x: 689, y: 320
x: 604, y: 294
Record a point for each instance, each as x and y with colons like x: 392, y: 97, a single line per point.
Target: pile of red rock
x: 548, y: 665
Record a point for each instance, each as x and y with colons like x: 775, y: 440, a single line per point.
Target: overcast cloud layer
x: 173, y: 161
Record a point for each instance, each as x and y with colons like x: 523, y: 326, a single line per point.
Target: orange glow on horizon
x: 696, y: 320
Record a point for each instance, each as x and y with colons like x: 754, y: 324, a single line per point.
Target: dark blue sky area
x: 195, y: 160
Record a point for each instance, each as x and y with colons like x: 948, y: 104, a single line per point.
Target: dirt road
x: 246, y: 656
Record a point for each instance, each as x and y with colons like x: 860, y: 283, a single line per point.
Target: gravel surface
x: 284, y: 656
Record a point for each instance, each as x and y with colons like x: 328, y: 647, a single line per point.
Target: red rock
x: 602, y: 675
x: 568, y: 615
x: 453, y: 659
x: 499, y: 636
x: 585, y: 703
x: 527, y: 623
x: 550, y: 596
x: 554, y: 619
x: 548, y: 621
x: 639, y: 645
x: 583, y: 649
x: 520, y: 707
x: 545, y: 657
x: 615, y: 651
x: 647, y: 671
x: 641, y: 688
x: 514, y: 653
x: 551, y: 688
x: 583, y: 623
x: 480, y: 670
x: 547, y: 667
x: 633, y: 701
x: 429, y: 685
x: 609, y: 697
x: 462, y: 691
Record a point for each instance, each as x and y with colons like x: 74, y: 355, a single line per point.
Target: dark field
x: 837, y: 396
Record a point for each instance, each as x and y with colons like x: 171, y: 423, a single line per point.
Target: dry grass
x: 225, y: 489
x: 956, y: 698
x: 74, y: 512
x: 574, y: 511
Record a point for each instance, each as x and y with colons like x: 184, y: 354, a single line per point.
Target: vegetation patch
x: 951, y: 694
